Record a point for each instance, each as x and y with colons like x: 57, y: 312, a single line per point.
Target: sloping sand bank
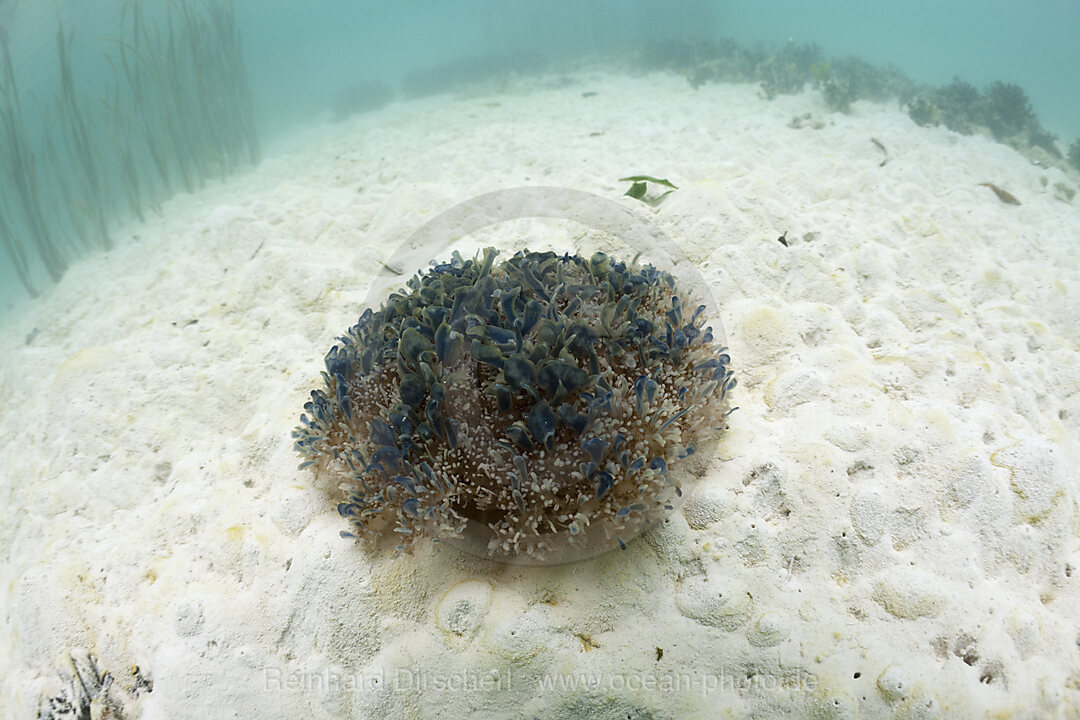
x: 890, y: 527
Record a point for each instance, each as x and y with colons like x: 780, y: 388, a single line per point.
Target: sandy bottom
x: 890, y: 528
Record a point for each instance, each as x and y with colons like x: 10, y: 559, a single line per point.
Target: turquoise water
x: 308, y: 49
x: 299, y: 52
x: 309, y: 62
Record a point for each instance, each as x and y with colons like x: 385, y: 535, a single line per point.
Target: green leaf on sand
x: 637, y: 179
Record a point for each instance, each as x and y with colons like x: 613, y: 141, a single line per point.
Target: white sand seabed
x: 890, y: 526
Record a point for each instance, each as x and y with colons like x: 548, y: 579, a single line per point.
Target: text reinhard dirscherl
x: 411, y: 680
